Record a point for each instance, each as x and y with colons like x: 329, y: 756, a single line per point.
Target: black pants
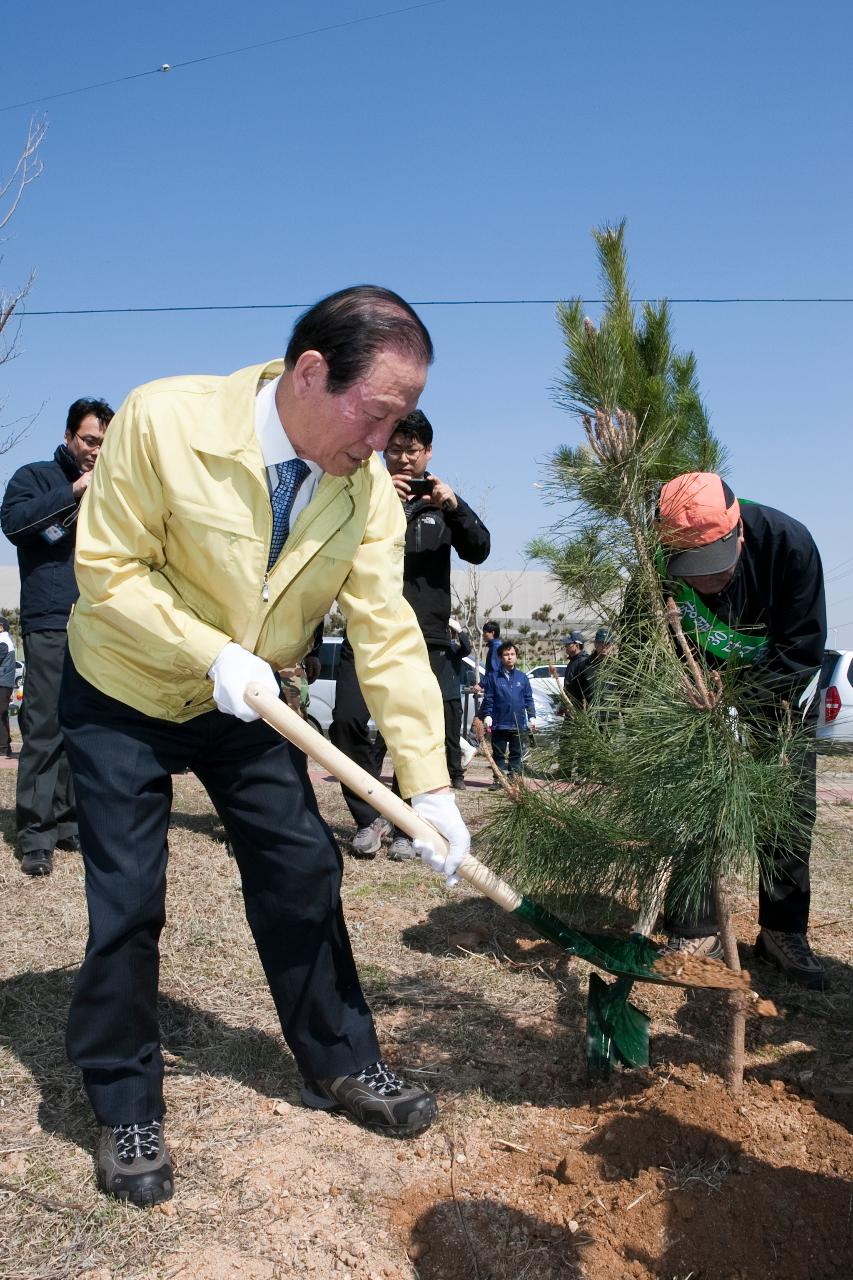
x: 506, y: 747
x: 290, y: 868
x: 784, y: 896
x: 5, y: 733
x: 45, y: 809
x: 349, y: 732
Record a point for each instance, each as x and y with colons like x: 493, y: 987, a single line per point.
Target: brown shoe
x: 709, y: 947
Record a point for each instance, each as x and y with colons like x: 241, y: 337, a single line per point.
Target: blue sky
x: 462, y: 150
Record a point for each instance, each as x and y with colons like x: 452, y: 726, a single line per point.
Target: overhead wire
x: 423, y: 302
x: 225, y: 53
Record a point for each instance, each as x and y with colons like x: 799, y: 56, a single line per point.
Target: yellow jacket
x: 172, y: 545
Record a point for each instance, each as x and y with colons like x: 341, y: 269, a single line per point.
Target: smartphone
x: 421, y: 488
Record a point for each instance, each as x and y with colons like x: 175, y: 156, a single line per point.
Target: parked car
x: 538, y: 673
x: 833, y: 685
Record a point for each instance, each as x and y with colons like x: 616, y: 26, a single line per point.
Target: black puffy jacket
x: 39, y: 515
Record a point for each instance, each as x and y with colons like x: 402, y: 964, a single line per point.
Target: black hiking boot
x: 791, y: 954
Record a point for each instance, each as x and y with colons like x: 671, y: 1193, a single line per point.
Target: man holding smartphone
x: 438, y: 521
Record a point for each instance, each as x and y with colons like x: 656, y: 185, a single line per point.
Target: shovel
x: 617, y: 1032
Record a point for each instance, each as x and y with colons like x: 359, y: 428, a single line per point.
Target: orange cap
x: 698, y: 517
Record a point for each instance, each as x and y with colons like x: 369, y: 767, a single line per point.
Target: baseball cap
x: 576, y: 637
x: 698, y: 517
x: 603, y: 636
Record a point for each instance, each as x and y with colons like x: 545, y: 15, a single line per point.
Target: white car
x: 833, y: 685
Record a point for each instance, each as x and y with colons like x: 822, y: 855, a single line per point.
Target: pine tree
x: 671, y: 777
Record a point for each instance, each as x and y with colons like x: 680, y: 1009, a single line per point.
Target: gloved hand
x: 454, y: 625
x: 487, y: 723
x: 233, y: 669
x: 531, y: 724
x: 439, y: 808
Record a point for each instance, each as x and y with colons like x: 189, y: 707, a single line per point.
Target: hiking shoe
x: 367, y: 841
x: 133, y: 1163
x: 708, y: 947
x: 401, y: 849
x: 38, y: 862
x: 376, y: 1098
x: 791, y: 954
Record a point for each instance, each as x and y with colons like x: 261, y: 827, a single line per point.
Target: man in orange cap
x: 749, y: 583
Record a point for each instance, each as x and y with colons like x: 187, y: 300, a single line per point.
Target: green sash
x: 714, y: 635
x: 709, y: 631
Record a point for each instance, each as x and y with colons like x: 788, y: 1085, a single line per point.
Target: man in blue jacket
x: 507, y: 710
x: 39, y: 515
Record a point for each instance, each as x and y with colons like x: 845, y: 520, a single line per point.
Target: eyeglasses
x: 91, y: 442
x: 413, y: 451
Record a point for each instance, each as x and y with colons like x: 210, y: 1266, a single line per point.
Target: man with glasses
x: 437, y: 522
x: 39, y: 515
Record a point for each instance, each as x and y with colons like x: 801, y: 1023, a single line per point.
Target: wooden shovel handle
x: 307, y: 739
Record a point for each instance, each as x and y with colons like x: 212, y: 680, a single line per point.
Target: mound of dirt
x: 662, y: 1176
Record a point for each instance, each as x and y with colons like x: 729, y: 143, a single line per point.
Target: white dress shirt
x: 276, y: 448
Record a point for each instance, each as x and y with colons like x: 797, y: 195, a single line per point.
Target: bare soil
x: 530, y: 1171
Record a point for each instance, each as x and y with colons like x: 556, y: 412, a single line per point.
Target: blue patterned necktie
x: 290, y: 477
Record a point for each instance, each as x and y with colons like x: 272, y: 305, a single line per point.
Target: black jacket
x: 430, y: 534
x: 39, y: 515
x: 777, y: 590
x: 578, y: 681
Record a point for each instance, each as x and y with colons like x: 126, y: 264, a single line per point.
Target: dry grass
x: 466, y: 1001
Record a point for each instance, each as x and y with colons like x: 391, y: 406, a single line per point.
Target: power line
x: 226, y: 53
x: 424, y: 302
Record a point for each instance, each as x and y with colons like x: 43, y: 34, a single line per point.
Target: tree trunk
x: 737, y: 1027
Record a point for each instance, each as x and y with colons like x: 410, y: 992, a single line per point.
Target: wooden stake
x: 737, y: 1004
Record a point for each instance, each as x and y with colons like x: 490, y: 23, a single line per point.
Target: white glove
x: 454, y: 625
x: 439, y: 808
x: 487, y: 723
x: 531, y: 724
x: 233, y: 669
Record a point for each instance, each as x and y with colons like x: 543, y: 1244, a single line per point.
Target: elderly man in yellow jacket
x: 225, y: 516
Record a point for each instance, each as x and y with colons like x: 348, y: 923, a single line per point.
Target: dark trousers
x: 5, y: 733
x: 44, y: 810
x: 506, y: 747
x: 349, y: 732
x: 452, y: 734
x: 290, y: 868
x: 784, y: 894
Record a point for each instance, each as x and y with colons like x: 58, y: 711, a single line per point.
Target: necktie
x: 290, y: 477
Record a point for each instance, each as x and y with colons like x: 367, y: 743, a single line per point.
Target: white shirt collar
x: 272, y: 437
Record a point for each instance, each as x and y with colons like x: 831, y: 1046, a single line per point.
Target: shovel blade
x: 617, y: 1032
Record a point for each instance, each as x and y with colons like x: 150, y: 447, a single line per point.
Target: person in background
x: 507, y: 711
x: 491, y: 632
x: 39, y: 516
x: 451, y: 691
x: 7, y: 685
x: 438, y: 522
x: 577, y: 680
